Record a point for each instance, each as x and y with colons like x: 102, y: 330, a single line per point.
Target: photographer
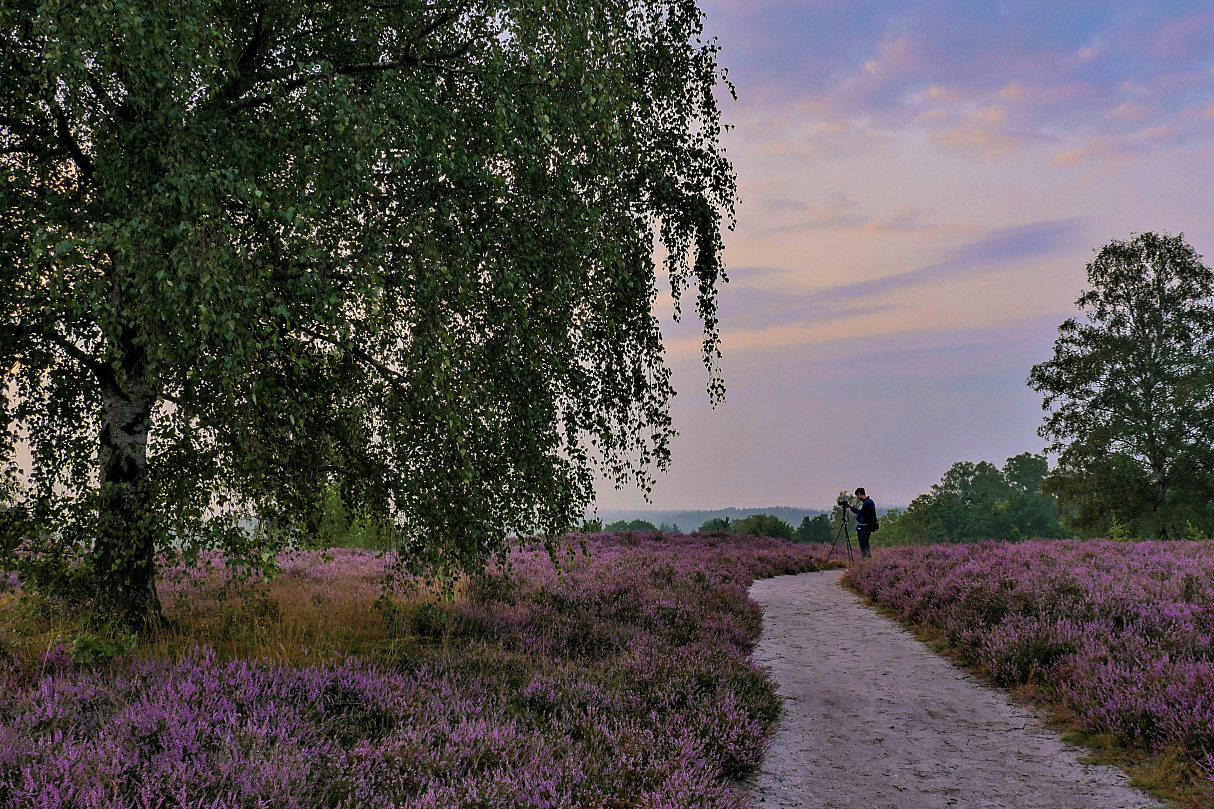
x: 866, y: 520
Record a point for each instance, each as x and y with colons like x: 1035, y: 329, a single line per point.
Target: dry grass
x: 296, y: 618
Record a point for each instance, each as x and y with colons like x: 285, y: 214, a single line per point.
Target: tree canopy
x: 637, y: 524
x: 1129, y: 392
x: 815, y: 529
x: 763, y: 525
x: 253, y: 250
x: 977, y: 501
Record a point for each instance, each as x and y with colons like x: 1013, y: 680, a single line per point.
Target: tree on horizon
x: 1129, y: 392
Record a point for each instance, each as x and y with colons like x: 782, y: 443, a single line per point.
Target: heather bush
x: 1119, y: 635
x: 620, y: 679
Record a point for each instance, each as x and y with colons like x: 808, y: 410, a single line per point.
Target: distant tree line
x: 811, y: 529
x: 972, y: 502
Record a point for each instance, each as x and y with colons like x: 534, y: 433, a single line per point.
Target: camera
x: 843, y: 501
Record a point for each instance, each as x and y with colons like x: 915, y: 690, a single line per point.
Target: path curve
x: 875, y: 720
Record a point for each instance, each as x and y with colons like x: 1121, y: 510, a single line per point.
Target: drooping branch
x: 28, y: 139
x: 12, y: 334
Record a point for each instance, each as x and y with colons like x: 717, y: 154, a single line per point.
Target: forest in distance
x: 972, y: 502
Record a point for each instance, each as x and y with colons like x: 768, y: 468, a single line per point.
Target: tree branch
x: 406, y: 59
x: 69, y: 141
x: 392, y: 377
x: 252, y: 51
x: 99, y: 368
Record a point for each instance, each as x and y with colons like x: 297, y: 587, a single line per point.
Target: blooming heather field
x: 1119, y: 635
x: 622, y: 681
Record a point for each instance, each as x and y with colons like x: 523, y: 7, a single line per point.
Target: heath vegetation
x: 1115, y: 636
x: 619, y: 679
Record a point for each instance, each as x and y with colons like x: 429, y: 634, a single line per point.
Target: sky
x: 922, y: 185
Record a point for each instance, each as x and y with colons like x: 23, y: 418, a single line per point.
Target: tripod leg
x: 835, y: 544
x: 850, y: 558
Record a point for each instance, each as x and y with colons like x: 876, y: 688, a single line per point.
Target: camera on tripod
x: 844, y: 531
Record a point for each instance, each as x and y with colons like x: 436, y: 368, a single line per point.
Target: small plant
x: 492, y: 586
x: 430, y: 620
x: 90, y: 650
x: 1118, y: 532
x: 58, y: 571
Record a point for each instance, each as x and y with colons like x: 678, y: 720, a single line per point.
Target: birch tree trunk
x: 124, y: 549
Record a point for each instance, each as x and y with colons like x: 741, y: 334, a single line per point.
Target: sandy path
x: 874, y: 720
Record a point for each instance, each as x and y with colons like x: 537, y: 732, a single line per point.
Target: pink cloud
x: 979, y: 139
x: 1131, y: 111
x: 824, y: 138
x: 1022, y: 92
x: 1107, y: 154
x: 894, y: 58
x: 1180, y: 39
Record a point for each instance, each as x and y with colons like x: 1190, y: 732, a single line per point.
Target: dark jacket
x: 866, y: 515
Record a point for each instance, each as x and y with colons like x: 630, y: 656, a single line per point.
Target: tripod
x: 846, y: 534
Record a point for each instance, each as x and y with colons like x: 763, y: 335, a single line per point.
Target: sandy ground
x: 875, y: 720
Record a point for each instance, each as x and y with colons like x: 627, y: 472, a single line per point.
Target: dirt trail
x: 874, y: 720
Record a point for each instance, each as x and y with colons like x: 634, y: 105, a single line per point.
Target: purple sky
x: 922, y: 185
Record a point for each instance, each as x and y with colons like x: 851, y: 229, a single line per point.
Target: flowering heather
x: 621, y: 680
x: 1121, y: 635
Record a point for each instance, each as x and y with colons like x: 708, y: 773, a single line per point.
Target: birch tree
x: 252, y: 249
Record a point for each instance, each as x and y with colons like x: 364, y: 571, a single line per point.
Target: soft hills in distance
x: 690, y: 520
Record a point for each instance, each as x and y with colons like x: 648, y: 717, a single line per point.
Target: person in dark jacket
x: 866, y: 519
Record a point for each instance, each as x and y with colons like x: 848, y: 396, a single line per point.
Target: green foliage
x: 338, y: 528
x: 630, y: 525
x: 1130, y: 393
x: 57, y: 570
x: 592, y: 526
x: 248, y: 251
x: 1101, y: 492
x: 15, y: 525
x: 976, y: 501
x: 817, y: 529
x: 92, y: 649
x: 1118, y: 532
x: 763, y: 525
x: 716, y: 524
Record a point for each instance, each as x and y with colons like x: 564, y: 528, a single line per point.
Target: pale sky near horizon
x: 922, y: 184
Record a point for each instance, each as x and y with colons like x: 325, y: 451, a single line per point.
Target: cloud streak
x: 756, y: 316
x: 985, y: 255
